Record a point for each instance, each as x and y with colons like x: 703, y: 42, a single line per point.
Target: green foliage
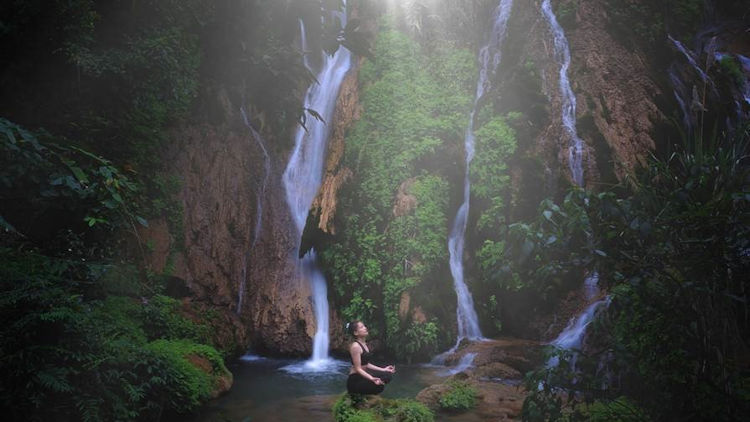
x: 674, y: 252
x: 161, y: 316
x: 413, y: 411
x: 395, y: 214
x: 419, y: 337
x: 495, y: 145
x: 73, y: 336
x: 185, y: 385
x: 72, y: 357
x: 357, y: 408
x: 546, y: 256
x: 460, y: 397
x: 50, y: 178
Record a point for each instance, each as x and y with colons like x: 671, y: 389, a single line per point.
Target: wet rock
x: 496, y: 374
x: 219, y: 186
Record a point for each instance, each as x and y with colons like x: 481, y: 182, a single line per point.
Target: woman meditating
x: 364, y: 377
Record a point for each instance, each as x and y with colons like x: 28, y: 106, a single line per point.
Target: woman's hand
x: 377, y: 381
x: 390, y: 368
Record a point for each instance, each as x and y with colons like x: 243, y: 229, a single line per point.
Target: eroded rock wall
x: 220, y: 169
x: 614, y: 85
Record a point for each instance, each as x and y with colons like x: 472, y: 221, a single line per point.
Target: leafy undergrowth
x: 459, y: 398
x: 357, y: 408
x: 85, y: 335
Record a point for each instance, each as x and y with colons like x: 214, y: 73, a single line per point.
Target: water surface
x: 264, y: 391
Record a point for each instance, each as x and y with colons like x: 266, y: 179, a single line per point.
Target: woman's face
x: 361, y: 330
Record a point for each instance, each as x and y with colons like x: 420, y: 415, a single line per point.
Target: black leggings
x: 357, y: 384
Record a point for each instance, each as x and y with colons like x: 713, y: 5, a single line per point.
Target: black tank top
x: 365, y: 358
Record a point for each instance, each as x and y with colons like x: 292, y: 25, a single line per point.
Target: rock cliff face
x: 253, y: 293
x: 616, y: 95
x: 615, y: 88
x: 617, y: 113
x: 220, y: 173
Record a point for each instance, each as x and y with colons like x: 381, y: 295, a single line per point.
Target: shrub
x: 461, y: 397
x: 185, y: 385
x: 345, y: 409
x: 414, y: 411
x: 356, y: 408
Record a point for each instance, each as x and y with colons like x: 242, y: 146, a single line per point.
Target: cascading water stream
x: 463, y: 364
x: 303, y: 176
x: 489, y: 59
x: 572, y: 336
x: 303, y: 45
x: 689, y: 56
x: 258, y: 203
x: 266, y: 171
x: 562, y: 55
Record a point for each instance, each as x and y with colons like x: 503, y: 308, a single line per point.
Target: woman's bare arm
x: 356, y: 351
x: 389, y: 368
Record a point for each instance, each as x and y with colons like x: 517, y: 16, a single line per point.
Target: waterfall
x: 571, y: 338
x: 562, y: 55
x: 303, y: 176
x: 489, y: 58
x: 258, y: 204
x: 266, y: 171
x: 591, y: 286
x: 303, y: 45
x: 464, y: 363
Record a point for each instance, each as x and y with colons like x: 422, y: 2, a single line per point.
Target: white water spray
x: 303, y: 176
x: 464, y: 363
x: 562, y: 55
